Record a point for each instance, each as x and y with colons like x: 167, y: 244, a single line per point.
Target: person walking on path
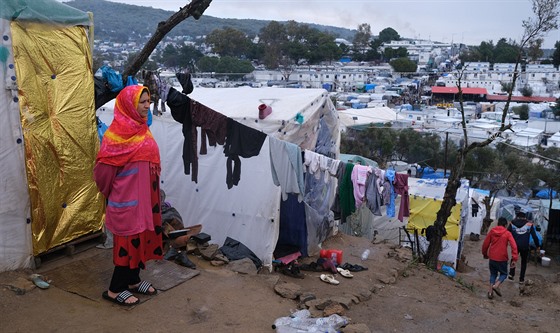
x: 495, y: 248
x: 522, y: 229
x: 127, y: 172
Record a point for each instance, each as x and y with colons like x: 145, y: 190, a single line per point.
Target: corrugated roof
x: 455, y: 90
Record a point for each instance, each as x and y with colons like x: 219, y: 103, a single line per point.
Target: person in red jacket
x: 495, y: 248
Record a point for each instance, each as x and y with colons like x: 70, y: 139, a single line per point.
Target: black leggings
x: 524, y: 254
x: 123, y: 277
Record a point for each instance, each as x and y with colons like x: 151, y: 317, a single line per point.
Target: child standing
x: 495, y: 248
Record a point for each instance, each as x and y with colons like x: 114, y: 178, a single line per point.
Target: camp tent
x: 48, y: 134
x: 366, y: 117
x: 426, y: 196
x: 252, y: 212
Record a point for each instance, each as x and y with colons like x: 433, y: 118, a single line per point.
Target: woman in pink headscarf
x: 127, y: 173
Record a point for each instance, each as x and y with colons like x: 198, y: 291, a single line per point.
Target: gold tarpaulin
x: 423, y: 213
x: 56, y: 97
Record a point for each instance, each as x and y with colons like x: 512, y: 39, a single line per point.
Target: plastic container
x: 328, y: 254
x: 545, y: 261
x: 365, y: 254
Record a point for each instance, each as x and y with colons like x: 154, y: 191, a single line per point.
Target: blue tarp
x: 545, y: 194
x: 359, y: 105
x: 369, y: 86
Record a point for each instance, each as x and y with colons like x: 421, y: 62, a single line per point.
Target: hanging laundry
x: 346, y: 192
x: 287, y: 167
x: 359, y: 177
x: 401, y: 188
x: 389, y: 192
x: 241, y: 141
x: 373, y: 197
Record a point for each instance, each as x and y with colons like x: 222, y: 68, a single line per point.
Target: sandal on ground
x: 144, y: 289
x: 39, y: 281
x: 497, y: 291
x: 121, y: 298
x: 344, y: 272
x: 329, y: 279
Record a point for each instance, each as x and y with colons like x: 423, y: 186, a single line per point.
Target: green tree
x: 556, y: 108
x: 522, y: 111
x: 229, y: 42
x: 170, y: 56
x: 225, y: 67
x: 391, y: 53
x: 548, y: 169
x: 361, y: 40
x: 388, y: 34
x: 415, y: 147
x: 556, y: 55
x: 534, y: 50
x: 207, y: 64
x: 188, y: 56
x: 403, y: 65
x: 497, y: 169
x: 505, y: 52
x: 526, y: 91
x: 374, y: 143
x: 273, y: 37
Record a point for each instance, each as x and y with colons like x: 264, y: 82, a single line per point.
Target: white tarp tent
x: 366, y: 116
x: 250, y: 211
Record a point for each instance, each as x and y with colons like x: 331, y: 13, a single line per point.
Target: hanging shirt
x: 287, y: 167
x: 390, y: 192
x: 373, y: 197
x: 359, y: 178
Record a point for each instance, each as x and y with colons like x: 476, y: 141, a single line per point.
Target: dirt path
x: 393, y: 295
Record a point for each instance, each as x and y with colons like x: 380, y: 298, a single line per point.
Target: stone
x: 363, y: 295
x: 333, y: 309
x: 288, y: 290
x: 356, y: 328
x: 243, y: 266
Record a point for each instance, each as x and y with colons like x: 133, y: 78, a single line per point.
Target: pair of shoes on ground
x: 180, y: 257
x: 292, y: 269
x: 344, y: 272
x: 328, y: 278
x: 353, y: 268
x: 121, y: 299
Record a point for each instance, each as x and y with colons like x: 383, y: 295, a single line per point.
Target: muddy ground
x: 395, y: 294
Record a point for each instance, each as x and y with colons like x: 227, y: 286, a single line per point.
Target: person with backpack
x: 495, y: 248
x: 522, y: 229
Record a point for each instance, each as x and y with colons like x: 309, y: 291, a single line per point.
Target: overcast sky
x: 466, y: 21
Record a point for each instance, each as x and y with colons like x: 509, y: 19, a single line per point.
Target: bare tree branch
x: 195, y: 9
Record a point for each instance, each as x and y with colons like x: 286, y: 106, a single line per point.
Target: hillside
x: 117, y: 21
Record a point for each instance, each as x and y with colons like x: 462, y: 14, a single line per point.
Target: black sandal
x: 121, y: 298
x: 144, y: 289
